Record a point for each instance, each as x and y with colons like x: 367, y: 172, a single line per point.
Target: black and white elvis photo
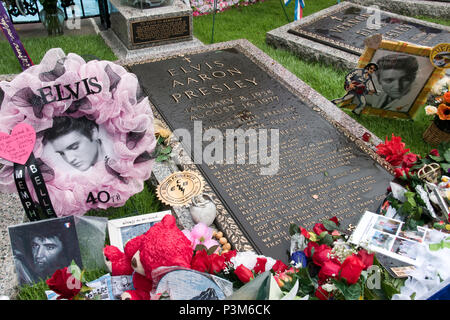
x: 74, y: 145
x: 399, y: 80
x: 40, y: 248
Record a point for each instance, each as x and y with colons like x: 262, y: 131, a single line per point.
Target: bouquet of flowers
x: 439, y: 107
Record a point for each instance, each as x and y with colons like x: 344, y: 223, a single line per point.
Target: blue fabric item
x: 299, y: 257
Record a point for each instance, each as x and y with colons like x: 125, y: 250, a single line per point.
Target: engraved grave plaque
x: 321, y: 170
x: 346, y: 28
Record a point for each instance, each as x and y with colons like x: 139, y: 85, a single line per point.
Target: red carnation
x: 64, y: 284
x: 393, y: 150
x: 243, y: 273
x: 279, y: 266
x: 351, y: 269
x: 409, y: 160
x: 260, y: 265
x: 335, y: 220
x: 229, y: 254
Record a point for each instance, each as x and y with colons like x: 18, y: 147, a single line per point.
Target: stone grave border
x: 314, y: 51
x: 435, y: 9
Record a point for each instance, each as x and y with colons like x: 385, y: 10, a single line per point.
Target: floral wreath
x: 100, y: 91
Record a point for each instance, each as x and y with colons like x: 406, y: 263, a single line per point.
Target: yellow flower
x: 160, y: 130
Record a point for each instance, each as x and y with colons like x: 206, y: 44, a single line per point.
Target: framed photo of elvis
x: 402, y: 79
x: 40, y: 248
x: 94, y: 131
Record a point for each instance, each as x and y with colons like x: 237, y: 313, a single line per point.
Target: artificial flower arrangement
x: 163, y: 137
x: 439, y: 107
x: 203, y: 7
x: 328, y: 267
x: 418, y: 177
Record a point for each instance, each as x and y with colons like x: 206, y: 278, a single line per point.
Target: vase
x: 203, y: 210
x: 53, y: 20
x: 437, y: 132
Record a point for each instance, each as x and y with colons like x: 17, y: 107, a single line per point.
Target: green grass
x: 37, y: 47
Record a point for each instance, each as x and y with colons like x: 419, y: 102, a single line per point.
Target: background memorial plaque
x: 346, y: 28
x: 160, y: 29
x: 321, y: 173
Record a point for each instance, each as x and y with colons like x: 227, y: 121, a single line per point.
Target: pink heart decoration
x: 18, y: 146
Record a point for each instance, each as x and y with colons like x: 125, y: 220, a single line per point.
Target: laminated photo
x: 40, y: 248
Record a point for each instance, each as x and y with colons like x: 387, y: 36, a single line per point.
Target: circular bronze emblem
x: 179, y: 188
x: 440, y: 56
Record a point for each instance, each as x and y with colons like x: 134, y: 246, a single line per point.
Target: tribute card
x: 124, y: 229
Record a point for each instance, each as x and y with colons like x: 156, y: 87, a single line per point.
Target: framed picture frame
x: 402, y: 81
x: 94, y: 131
x: 123, y: 229
x: 42, y: 247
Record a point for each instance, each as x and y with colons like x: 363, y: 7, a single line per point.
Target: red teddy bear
x: 162, y: 245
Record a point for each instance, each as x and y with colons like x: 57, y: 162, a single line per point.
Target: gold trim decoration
x: 179, y: 188
x: 441, y: 48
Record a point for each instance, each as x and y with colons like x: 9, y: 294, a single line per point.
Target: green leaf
x: 212, y: 249
x: 330, y: 225
x: 200, y: 247
x: 436, y: 158
x: 445, y: 166
x: 353, y: 292
x: 326, y: 238
x: 162, y: 157
x: 160, y: 140
x: 166, y: 150
x: 447, y: 155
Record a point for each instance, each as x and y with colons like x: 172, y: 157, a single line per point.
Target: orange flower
x: 447, y: 97
x: 443, y: 112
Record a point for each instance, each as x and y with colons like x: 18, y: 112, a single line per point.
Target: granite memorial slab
x: 413, y: 8
x: 336, y: 35
x: 142, y: 28
x: 309, y: 164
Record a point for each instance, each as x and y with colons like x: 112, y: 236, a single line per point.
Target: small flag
x: 299, y: 5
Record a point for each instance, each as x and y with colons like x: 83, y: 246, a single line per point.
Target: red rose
x: 260, y: 265
x: 200, y: 261
x: 319, y: 228
x: 351, y: 269
x: 322, y: 294
x: 279, y: 266
x: 216, y: 263
x: 321, y: 254
x: 330, y: 269
x: 243, y: 273
x: 64, y: 284
x: 366, y: 258
x: 308, y: 250
x: 434, y: 152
